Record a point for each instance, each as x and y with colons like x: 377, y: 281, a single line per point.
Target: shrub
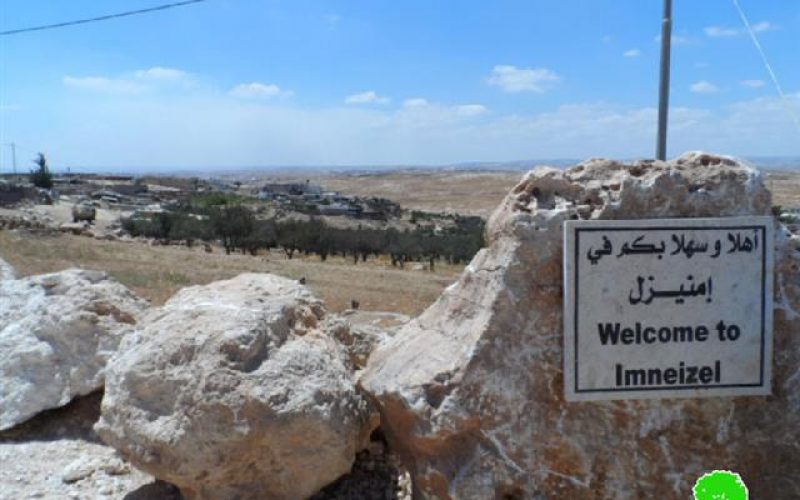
x: 41, y: 177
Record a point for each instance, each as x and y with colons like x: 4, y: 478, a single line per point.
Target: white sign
x: 667, y: 308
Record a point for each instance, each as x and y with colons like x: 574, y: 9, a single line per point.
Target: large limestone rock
x: 471, y: 392
x: 57, y: 332
x: 230, y: 390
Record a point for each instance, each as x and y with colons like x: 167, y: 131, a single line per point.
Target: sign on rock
x: 667, y: 308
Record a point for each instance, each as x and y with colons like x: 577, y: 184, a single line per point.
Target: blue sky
x: 239, y: 83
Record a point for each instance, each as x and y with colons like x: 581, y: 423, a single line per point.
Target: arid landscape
x: 385, y: 292
x: 465, y: 192
x: 332, y: 250
x: 157, y: 271
x: 479, y: 192
x: 785, y: 187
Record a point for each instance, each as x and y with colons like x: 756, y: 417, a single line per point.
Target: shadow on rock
x: 157, y: 490
x: 73, y: 421
x: 376, y: 475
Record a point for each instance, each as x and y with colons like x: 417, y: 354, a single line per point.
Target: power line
x: 100, y: 18
x: 773, y: 76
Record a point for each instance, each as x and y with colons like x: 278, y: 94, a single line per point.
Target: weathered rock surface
x: 231, y: 390
x: 471, y: 392
x: 360, y: 332
x: 57, y: 332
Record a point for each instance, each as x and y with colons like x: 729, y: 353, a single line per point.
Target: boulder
x: 232, y: 390
x: 83, y: 211
x: 57, y: 332
x: 471, y: 392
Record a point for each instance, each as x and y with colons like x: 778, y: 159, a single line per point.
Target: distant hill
x: 776, y: 162
x: 763, y: 162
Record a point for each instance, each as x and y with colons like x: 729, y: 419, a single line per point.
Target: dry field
x: 785, y: 187
x: 468, y: 193
x: 157, y: 272
x: 478, y: 193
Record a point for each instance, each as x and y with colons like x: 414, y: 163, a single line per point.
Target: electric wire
x: 773, y: 76
x: 99, y: 18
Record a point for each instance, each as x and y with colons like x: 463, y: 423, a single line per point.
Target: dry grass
x: 157, y: 272
x: 785, y: 187
x: 478, y: 193
x: 473, y: 193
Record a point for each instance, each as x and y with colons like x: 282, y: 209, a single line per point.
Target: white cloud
x: 607, y: 39
x: 415, y: 102
x: 471, y: 110
x: 207, y: 128
x: 676, y: 39
x: 720, y: 32
x: 188, y: 132
x: 161, y: 74
x: 512, y: 79
x: 632, y: 53
x: 103, y: 85
x: 764, y: 26
x: 256, y: 90
x: 368, y: 97
x: 421, y: 113
x: 725, y: 32
x: 753, y: 84
x: 136, y: 82
x: 703, y: 87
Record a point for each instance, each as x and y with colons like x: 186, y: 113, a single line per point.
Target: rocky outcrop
x: 232, y: 390
x: 471, y: 392
x: 57, y: 332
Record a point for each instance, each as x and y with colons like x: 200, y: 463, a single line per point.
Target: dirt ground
x: 57, y: 455
x: 157, y: 272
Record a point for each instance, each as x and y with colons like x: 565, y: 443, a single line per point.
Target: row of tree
x: 237, y: 228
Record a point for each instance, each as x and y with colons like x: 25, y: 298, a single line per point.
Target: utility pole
x: 663, y: 89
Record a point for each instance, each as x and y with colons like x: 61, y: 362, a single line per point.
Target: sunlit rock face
x: 235, y: 390
x: 471, y: 392
x: 57, y: 334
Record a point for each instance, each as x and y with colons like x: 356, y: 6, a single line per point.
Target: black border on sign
x: 764, y: 245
